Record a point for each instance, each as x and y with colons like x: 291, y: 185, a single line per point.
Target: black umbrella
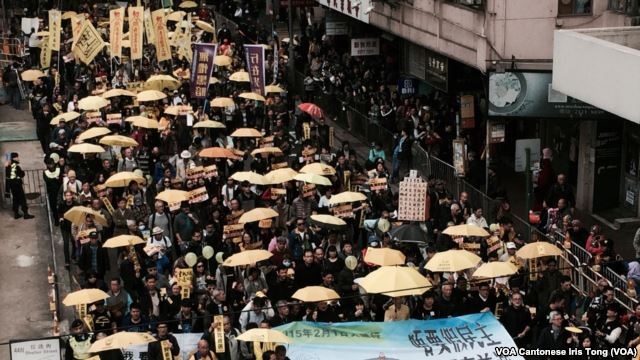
x: 409, y: 232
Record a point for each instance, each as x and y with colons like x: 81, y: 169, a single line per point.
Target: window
x: 474, y: 4
x: 628, y: 7
x: 574, y: 7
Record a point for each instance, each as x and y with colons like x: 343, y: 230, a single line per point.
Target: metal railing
x: 11, y: 49
x: 34, y: 187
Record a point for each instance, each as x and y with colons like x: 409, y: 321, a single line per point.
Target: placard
x: 83, y: 236
x: 195, y: 173
x: 232, y: 231
x: 135, y: 86
x: 41, y: 349
x: 497, y: 132
x: 308, y: 190
x: 107, y: 204
x: 114, y: 118
x: 55, y: 18
x: 471, y: 246
x: 255, y: 63
x: 278, y: 191
x: 148, y: 27
x: 459, y: 158
x: 493, y: 244
x: 412, y: 200
x: 163, y: 49
x: 378, y: 184
x: 467, y: 112
x: 266, y: 141
x: 210, y: 171
x: 136, y: 30
x: 280, y: 165
x: 365, y: 47
x: 93, y: 117
x: 198, y: 195
x: 343, y: 211
x: 201, y: 68
x: 116, y: 26
x: 218, y: 333
x: 184, y: 277
x: 100, y: 190
x: 89, y: 43
x: 165, y: 345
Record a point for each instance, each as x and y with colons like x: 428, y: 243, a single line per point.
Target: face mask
x: 141, y: 227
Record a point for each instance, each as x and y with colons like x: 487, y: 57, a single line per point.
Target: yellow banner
x: 163, y: 49
x: 89, y: 43
x: 218, y: 333
x: 183, y: 42
x: 148, y: 27
x: 76, y: 26
x: 55, y: 17
x: 45, y: 53
x: 136, y: 28
x: 116, y: 24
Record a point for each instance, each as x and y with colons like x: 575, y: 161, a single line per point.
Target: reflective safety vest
x: 80, y: 347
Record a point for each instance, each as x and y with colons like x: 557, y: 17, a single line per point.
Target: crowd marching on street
x: 177, y: 184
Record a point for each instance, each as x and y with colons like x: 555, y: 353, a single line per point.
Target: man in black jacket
x: 155, y: 348
x: 517, y: 320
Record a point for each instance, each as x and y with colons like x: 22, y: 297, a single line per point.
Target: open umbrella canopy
x: 150, y: 95
x: 409, y: 232
x: 93, y: 133
x: 217, y: 152
x: 117, y: 92
x: 172, y: 110
x: 69, y: 15
x: 250, y: 176
x: 328, y: 221
x: 252, y: 96
x: 66, y: 117
x: 84, y: 296
x: 133, y: 118
x: 118, y: 140
x: 257, y: 214
x: 395, y: 281
x: 145, y: 123
x: 222, y: 60
x: 176, y: 16
x: 205, y: 26
x: 384, y: 257
x: 123, y: 178
x: 209, y: 124
x: 280, y: 176
x: 319, y: 169
x: 538, y: 249
x: 161, y: 82
x: 267, y: 150
x: 452, y: 261
x: 264, y: 336
x: 273, y: 89
x: 246, y: 132
x: 465, y: 230
x: 121, y: 340
x: 315, y: 294
x: 247, y: 257
x: 78, y: 214
x: 213, y: 80
x: 188, y: 4
x: 239, y: 76
x: 495, y: 269
x: 173, y: 196
x: 86, y: 149
x: 122, y: 241
x: 347, y: 197
x: 312, y: 109
x: 31, y: 75
x: 92, y: 103
x: 313, y: 179
x: 222, y: 101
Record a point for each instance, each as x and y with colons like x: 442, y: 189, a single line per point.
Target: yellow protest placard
x: 136, y: 28
x: 89, y: 43
x: 45, y: 54
x: 163, y: 49
x: 116, y: 24
x: 55, y: 18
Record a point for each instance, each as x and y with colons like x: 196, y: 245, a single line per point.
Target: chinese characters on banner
x: 148, y: 27
x: 163, y: 50
x: 116, y: 24
x: 365, y: 47
x: 76, y: 26
x: 358, y: 9
x: 201, y: 68
x: 136, y: 28
x: 182, y: 40
x: 89, y: 43
x: 255, y: 62
x: 54, y: 29
x: 45, y: 53
x: 413, y: 199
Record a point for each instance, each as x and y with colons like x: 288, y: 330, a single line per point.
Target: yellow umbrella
x: 66, y: 117
x: 172, y: 110
x: 252, y: 96
x: 280, y: 176
x: 246, y: 132
x: 176, y: 16
x: 78, y: 214
x: 267, y: 150
x: 209, y: 124
x: 217, y: 152
x: 273, y: 89
x: 93, y: 133
x: 84, y: 296
x: 146, y: 123
x: 395, y: 281
x: 69, y: 15
x: 42, y: 33
x: 538, y: 249
x: 222, y: 102
x: 465, y: 230
x: 240, y: 76
x: 92, y: 103
x: 150, y: 95
x: 318, y: 169
x: 121, y: 340
x: 161, y: 82
x: 452, y: 261
x: 205, y: 26
x: 347, y: 197
x: 328, y: 221
x: 257, y: 214
x: 264, y: 336
x: 247, y: 257
x: 31, y: 75
x: 315, y: 294
x: 118, y: 140
x: 86, y: 149
x: 123, y: 178
x: 132, y: 119
x: 495, y: 269
x: 384, y: 257
x: 213, y: 80
x: 222, y: 60
x: 117, y: 92
x: 313, y: 179
x: 173, y: 196
x: 250, y: 176
x: 187, y: 4
x: 122, y: 241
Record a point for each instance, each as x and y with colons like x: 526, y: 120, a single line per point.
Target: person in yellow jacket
x: 203, y: 352
x: 79, y: 342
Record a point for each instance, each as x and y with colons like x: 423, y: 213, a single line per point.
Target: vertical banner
x: 255, y: 62
x: 201, y: 67
x: 276, y: 58
x: 45, y: 53
x: 76, y: 26
x: 182, y: 40
x: 116, y: 23
x: 163, y: 49
x: 136, y: 27
x: 55, y: 19
x: 148, y: 27
x: 89, y: 43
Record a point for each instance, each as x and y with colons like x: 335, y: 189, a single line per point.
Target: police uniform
x: 78, y: 347
x: 15, y: 174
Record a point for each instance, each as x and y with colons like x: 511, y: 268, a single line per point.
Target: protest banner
x: 136, y: 28
x: 116, y: 26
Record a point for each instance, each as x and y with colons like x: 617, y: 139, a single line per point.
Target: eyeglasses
x: 299, y: 224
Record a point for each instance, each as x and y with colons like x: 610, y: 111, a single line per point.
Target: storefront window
x: 628, y: 7
x: 574, y: 7
x: 475, y: 4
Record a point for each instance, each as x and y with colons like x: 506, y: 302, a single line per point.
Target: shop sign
x: 365, y: 47
x: 357, y: 9
x: 407, y: 86
x: 436, y: 70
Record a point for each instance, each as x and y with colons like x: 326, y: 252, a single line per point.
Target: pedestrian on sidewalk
x: 15, y: 174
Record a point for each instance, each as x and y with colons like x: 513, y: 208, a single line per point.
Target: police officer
x: 14, y: 175
x: 79, y: 342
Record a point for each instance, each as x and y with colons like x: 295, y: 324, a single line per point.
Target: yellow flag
x: 116, y: 23
x: 183, y: 43
x: 55, y: 17
x: 76, y: 26
x: 136, y: 28
x: 89, y: 43
x: 163, y: 49
x: 148, y: 27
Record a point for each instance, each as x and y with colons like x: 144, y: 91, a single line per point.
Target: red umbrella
x: 312, y: 109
